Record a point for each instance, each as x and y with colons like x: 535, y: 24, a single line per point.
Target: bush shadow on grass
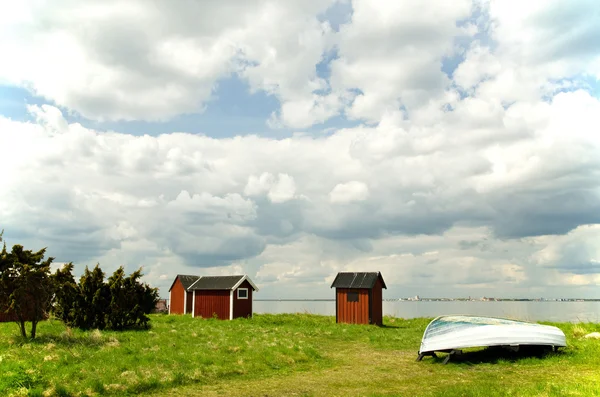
x: 91, y: 337
x: 61, y: 340
x: 497, y: 354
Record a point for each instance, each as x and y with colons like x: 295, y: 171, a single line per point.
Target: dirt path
x: 367, y: 372
x: 360, y: 373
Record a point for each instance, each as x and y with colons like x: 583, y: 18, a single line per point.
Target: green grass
x: 300, y: 354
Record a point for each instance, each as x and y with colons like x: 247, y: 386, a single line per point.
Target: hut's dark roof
x: 186, y: 280
x: 220, y: 282
x: 357, y: 280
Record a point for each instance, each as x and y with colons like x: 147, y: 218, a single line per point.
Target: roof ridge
x: 358, y: 272
x: 357, y: 280
x: 222, y: 282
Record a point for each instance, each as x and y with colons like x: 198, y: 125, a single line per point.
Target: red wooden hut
x: 180, y: 297
x: 226, y: 297
x: 359, y: 298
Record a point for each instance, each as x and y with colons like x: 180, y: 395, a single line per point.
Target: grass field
x: 279, y: 355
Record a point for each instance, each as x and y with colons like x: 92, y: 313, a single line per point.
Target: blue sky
x: 232, y: 111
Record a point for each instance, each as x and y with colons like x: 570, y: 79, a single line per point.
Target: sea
x: 558, y: 311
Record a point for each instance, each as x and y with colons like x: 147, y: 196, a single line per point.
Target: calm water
x: 528, y: 311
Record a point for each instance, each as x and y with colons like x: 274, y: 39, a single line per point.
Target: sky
x: 452, y: 146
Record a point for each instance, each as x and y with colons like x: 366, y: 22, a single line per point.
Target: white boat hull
x: 448, y: 333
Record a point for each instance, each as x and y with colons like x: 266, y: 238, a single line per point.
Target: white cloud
x: 283, y: 190
x: 304, y: 112
x: 479, y: 64
x: 349, y: 192
x: 152, y: 63
x: 392, y: 52
x: 181, y: 199
x: 211, y: 209
x: 49, y: 116
x: 481, y: 176
x: 539, y: 48
x: 111, y: 61
x: 552, y: 33
x: 259, y: 185
x: 576, y: 253
x: 279, y: 189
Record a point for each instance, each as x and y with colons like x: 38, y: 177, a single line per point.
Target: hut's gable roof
x: 221, y: 282
x: 357, y: 280
x: 186, y: 280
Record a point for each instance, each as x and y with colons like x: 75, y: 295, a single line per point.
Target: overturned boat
x: 450, y: 334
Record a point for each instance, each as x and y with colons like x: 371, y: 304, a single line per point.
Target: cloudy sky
x: 452, y: 145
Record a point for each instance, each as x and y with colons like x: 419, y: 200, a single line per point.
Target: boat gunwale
x: 487, y: 345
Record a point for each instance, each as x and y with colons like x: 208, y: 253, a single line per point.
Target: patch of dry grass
x: 579, y: 331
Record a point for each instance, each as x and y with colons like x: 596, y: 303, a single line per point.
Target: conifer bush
x: 121, y: 302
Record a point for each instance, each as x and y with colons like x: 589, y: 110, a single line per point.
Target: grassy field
x: 279, y: 355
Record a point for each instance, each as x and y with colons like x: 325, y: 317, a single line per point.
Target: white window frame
x: 231, y: 305
x: 238, y: 293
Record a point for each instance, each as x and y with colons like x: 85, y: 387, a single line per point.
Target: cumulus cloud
x: 50, y: 117
x: 100, y: 193
x: 479, y: 65
x: 348, y: 192
x: 391, y: 51
x: 576, y: 253
x: 278, y: 189
x: 113, y: 61
x: 209, y: 209
x: 475, y: 176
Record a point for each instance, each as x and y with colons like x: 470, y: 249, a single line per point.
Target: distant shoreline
x: 445, y: 300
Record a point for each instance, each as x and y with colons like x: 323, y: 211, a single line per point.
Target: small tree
x: 145, y: 298
x: 130, y: 300
x: 120, y: 302
x: 91, y: 305
x: 25, y: 285
x: 5, y: 288
x: 67, y: 294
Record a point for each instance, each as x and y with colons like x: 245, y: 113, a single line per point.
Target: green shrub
x: 121, y: 303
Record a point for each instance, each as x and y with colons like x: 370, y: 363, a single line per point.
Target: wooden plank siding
x: 352, y: 312
x: 211, y: 302
x: 377, y: 303
x: 177, y: 298
x: 242, y: 307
